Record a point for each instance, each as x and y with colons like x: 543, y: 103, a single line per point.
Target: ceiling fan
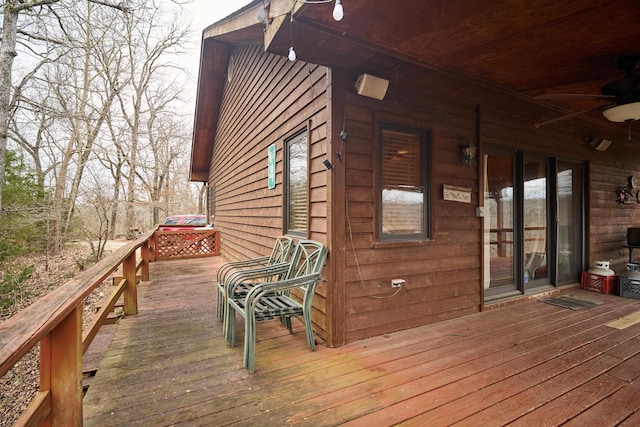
x: 622, y: 95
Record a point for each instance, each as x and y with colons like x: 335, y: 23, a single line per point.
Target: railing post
x: 216, y: 239
x: 61, y: 370
x: 131, y: 291
x: 145, y: 254
x: 154, y: 246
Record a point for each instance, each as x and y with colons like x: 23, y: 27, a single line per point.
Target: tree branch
x: 121, y: 7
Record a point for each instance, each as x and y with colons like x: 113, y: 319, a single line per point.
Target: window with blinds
x: 297, y: 184
x: 404, y: 195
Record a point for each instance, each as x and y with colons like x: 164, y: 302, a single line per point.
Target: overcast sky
x: 204, y: 13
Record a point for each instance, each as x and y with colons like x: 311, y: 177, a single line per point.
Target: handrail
x: 55, y: 321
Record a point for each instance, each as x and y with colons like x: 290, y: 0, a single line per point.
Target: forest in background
x: 99, y: 118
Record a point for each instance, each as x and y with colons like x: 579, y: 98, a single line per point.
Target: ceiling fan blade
x: 567, y: 116
x: 561, y: 96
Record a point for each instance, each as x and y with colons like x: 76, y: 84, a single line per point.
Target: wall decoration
x: 629, y: 193
x: 456, y: 194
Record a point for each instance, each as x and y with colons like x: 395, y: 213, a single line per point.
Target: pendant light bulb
x: 338, y: 12
x: 292, y: 54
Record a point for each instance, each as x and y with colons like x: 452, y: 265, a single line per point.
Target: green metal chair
x: 281, y: 252
x: 273, y: 299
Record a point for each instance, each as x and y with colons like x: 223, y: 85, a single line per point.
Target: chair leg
x: 250, y: 342
x: 286, y: 321
x: 229, y: 326
x: 220, y: 304
x: 309, y: 329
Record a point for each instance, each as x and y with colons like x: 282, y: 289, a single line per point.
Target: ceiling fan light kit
x: 623, y: 113
x: 624, y: 93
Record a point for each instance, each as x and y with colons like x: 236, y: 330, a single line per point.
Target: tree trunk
x: 7, y: 54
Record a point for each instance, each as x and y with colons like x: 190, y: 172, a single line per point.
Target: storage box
x: 599, y: 283
x: 629, y: 288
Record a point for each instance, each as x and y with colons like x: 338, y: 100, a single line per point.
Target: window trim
x: 212, y: 201
x: 286, y: 195
x: 425, y: 136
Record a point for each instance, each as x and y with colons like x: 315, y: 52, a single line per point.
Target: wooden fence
x: 188, y: 243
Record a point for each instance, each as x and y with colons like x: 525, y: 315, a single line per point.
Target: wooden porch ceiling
x: 526, y: 364
x: 526, y: 49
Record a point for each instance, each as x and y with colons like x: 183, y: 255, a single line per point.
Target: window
x: 404, y: 183
x: 296, y: 165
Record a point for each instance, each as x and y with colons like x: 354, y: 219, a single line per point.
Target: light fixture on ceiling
x: 338, y: 14
x: 623, y: 113
x: 627, y: 113
x: 338, y: 11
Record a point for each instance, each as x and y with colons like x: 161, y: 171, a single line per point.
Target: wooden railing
x: 192, y: 242
x: 55, y: 322
x: 503, y: 243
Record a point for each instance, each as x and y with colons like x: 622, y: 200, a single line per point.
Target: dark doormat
x: 570, y: 301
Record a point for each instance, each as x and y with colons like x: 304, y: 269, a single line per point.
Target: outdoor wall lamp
x: 467, y: 153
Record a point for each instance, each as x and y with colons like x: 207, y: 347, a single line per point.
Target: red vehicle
x: 178, y: 222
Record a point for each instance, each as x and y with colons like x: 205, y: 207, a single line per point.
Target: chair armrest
x: 267, y: 288
x: 229, y: 267
x: 254, y: 276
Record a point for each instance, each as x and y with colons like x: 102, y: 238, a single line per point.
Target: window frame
x: 212, y: 201
x: 287, y: 183
x: 425, y: 136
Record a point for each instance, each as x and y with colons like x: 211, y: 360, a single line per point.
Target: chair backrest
x: 308, y: 258
x: 283, y: 249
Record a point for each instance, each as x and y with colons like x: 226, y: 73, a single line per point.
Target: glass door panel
x: 498, y: 224
x: 535, y: 218
x: 569, y: 251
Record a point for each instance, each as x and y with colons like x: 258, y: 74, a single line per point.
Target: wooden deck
x: 523, y: 364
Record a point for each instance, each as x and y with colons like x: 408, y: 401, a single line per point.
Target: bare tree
x: 10, y: 30
x: 153, y: 41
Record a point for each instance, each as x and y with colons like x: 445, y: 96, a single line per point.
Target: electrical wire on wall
x: 355, y: 255
x: 326, y: 162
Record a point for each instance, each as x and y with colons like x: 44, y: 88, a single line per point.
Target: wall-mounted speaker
x: 599, y: 143
x: 372, y: 86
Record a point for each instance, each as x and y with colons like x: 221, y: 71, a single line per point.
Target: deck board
x: 522, y: 364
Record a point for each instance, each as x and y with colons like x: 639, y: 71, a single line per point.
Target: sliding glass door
x: 533, y: 224
x: 570, y: 247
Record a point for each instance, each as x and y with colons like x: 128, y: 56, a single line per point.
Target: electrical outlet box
x: 396, y: 283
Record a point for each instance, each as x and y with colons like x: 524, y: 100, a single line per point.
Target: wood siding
x: 444, y: 274
x: 266, y: 100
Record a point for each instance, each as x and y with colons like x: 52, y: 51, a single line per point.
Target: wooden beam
x: 277, y: 27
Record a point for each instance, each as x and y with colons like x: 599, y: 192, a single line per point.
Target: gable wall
x: 266, y: 100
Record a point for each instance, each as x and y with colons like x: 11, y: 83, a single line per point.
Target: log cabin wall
x: 444, y: 275
x: 266, y: 100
